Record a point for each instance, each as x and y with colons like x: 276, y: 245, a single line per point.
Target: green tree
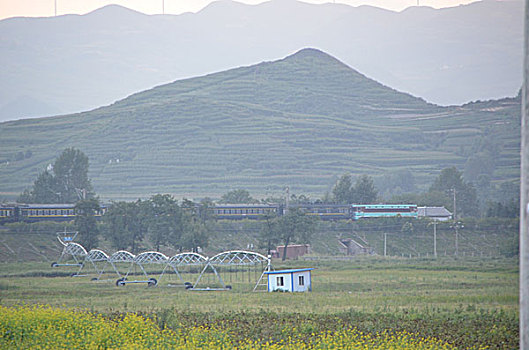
x: 45, y: 189
x: 66, y: 181
x: 296, y: 227
x: 364, y: 190
x: 503, y: 210
x: 124, y: 225
x: 164, y: 220
x: 205, y: 210
x: 85, y: 222
x: 342, y: 191
x: 238, y: 197
x: 396, y: 183
x: 195, y: 235
x: 71, y: 175
x: 451, y: 180
x: 507, y: 192
x: 202, y: 211
x: 195, y: 220
x: 268, y: 236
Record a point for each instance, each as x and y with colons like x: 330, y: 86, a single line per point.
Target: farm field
x: 469, y: 303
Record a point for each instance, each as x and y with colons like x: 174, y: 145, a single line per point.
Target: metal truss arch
x: 93, y: 257
x: 238, y: 258
x: 145, y: 258
x: 122, y: 256
x: 75, y: 249
x: 96, y: 255
x: 77, y: 253
x: 187, y: 259
x: 151, y: 258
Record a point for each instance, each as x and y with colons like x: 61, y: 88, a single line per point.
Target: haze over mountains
x: 72, y: 63
x: 301, y: 121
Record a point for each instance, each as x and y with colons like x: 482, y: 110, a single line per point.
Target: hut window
x: 280, y: 281
x: 301, y: 280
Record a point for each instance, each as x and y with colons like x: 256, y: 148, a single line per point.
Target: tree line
x: 449, y: 189
x: 163, y: 221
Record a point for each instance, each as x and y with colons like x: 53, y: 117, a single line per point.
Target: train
x: 360, y: 211
x: 66, y: 212
x: 41, y: 212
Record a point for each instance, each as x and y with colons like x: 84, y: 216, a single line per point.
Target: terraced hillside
x: 300, y: 121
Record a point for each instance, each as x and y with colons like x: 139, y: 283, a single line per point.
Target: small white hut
x: 295, y: 280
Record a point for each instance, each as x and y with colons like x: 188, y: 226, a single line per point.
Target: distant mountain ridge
x: 301, y: 121
x: 74, y: 63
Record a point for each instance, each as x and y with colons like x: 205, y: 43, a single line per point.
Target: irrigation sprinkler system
x: 181, y: 260
x: 121, y: 257
x: 143, y: 260
x: 230, y: 262
x: 233, y: 258
x: 98, y: 259
x: 70, y: 251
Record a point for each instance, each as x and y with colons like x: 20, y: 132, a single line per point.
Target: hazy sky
x: 43, y: 8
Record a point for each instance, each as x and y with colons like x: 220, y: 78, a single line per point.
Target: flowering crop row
x: 43, y: 327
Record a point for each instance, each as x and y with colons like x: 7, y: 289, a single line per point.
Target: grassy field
x: 467, y: 303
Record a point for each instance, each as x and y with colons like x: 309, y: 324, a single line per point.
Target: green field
x: 465, y: 302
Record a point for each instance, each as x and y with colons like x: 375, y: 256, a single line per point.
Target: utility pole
x: 456, y: 227
x: 287, y: 189
x: 55, y: 8
x: 435, y: 239
x: 163, y: 7
x: 455, y: 208
x: 524, y: 196
x: 385, y: 240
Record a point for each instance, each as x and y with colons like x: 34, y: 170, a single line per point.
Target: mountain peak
x: 310, y: 51
x: 311, y: 54
x: 114, y: 10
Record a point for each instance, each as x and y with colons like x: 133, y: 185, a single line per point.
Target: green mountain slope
x: 301, y: 121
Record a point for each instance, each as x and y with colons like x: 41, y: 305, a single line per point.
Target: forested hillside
x: 301, y: 121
